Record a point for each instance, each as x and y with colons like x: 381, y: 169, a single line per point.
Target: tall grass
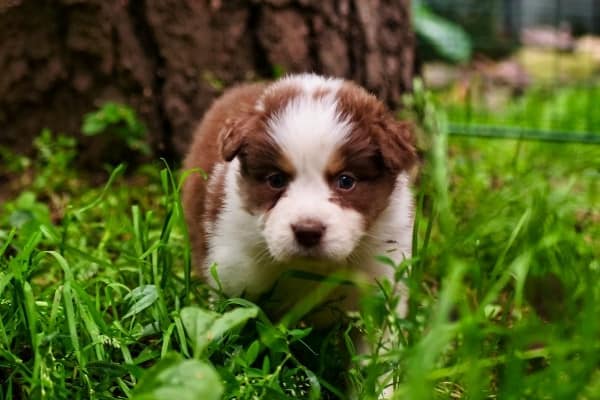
x: 97, y: 299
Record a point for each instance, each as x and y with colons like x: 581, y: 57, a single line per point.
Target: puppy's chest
x: 319, y: 297
x: 328, y: 302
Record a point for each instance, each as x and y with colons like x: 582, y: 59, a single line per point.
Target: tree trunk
x: 169, y: 58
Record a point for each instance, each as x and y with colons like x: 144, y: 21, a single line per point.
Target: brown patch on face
x: 250, y: 124
x: 375, y: 126
x: 361, y: 154
x: 248, y: 128
x: 376, y: 151
x: 258, y: 153
x: 374, y: 182
x: 260, y: 159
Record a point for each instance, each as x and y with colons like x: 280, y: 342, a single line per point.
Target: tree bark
x: 169, y: 59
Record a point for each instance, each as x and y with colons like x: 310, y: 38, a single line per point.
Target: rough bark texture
x: 168, y: 59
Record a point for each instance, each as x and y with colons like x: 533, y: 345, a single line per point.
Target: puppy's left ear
x: 231, y: 139
x: 397, y: 144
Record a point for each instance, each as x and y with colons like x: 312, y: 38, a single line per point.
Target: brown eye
x: 277, y: 180
x: 345, y: 182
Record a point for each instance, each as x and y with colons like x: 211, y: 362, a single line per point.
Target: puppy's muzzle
x: 308, y: 233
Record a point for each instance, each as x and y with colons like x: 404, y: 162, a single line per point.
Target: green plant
x: 119, y: 120
x: 100, y: 301
x: 12, y: 162
x: 447, y: 38
x: 568, y: 109
x: 55, y: 154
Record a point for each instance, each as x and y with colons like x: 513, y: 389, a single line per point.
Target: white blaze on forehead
x: 308, y: 129
x: 310, y: 126
x: 307, y: 83
x: 310, y: 83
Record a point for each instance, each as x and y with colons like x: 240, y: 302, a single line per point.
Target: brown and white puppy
x: 306, y: 173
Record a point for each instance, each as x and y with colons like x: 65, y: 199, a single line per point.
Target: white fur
x: 307, y: 198
x: 238, y: 244
x: 211, y: 194
x: 309, y: 83
x: 309, y: 130
x: 252, y: 251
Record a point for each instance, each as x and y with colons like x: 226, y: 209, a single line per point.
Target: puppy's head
x: 318, y: 160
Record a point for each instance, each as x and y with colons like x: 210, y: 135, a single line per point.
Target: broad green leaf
x: 175, y: 378
x: 272, y: 338
x: 93, y: 125
x: 141, y: 298
x: 197, y: 322
x: 230, y: 320
x: 252, y: 352
x: 204, y: 326
x: 448, y: 39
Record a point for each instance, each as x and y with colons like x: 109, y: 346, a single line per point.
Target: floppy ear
x: 396, y: 144
x: 231, y: 139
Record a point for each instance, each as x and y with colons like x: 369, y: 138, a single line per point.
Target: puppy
x: 307, y: 177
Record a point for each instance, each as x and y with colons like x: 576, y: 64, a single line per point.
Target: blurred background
x: 526, y: 68
x: 95, y: 269
x: 168, y: 59
x: 489, y: 62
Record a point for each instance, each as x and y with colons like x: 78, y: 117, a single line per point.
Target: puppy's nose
x: 308, y: 233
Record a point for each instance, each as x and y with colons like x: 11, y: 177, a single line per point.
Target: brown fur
x: 374, y: 124
x: 256, y: 165
x: 206, y: 151
x: 233, y: 126
x: 377, y: 150
x: 259, y: 155
x: 374, y: 184
x: 274, y: 101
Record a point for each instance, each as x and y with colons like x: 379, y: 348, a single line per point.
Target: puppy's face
x: 318, y: 162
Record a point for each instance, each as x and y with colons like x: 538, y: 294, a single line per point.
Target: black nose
x: 308, y: 233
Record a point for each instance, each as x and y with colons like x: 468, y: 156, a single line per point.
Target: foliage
x: 56, y: 153
x: 174, y: 377
x: 569, y: 108
x: 119, y: 120
x: 548, y: 66
x: 97, y: 299
x: 447, y: 38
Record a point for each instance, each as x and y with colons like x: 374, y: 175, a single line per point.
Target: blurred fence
x: 535, y: 72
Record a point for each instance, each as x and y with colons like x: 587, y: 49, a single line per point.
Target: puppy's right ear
x: 231, y: 139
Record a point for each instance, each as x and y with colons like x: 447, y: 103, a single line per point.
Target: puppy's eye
x: 345, y: 182
x: 277, y: 180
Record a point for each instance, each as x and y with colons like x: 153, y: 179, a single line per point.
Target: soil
x: 168, y: 59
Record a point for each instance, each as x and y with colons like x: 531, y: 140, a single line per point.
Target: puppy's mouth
x: 314, y: 263
x: 300, y: 254
x: 311, y: 256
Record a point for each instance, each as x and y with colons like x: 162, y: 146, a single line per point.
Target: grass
x: 97, y: 300
x: 569, y: 109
